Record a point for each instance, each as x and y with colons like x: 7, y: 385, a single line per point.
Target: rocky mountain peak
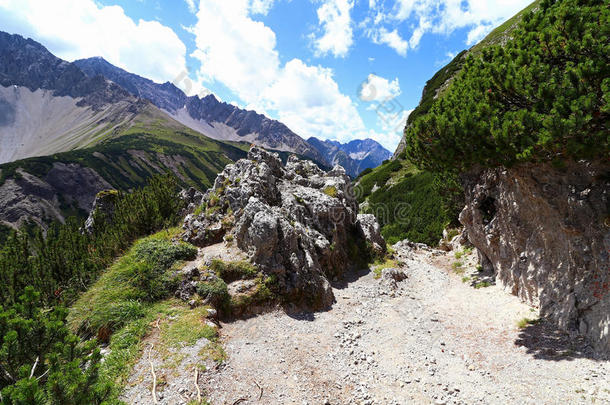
x: 24, y: 62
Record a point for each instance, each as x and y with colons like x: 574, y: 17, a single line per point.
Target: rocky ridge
x: 296, y: 223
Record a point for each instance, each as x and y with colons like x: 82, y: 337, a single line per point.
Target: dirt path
x: 434, y: 339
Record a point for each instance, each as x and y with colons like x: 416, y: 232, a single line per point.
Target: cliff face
x: 546, y: 233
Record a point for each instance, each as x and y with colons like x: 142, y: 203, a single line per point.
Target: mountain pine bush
x: 542, y: 96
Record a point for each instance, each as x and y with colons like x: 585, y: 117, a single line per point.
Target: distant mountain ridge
x: 355, y: 156
x: 216, y: 119
x: 25, y: 62
x: 225, y: 121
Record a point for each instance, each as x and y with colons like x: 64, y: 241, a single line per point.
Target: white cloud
x: 391, y: 39
x: 377, y: 88
x: 191, y: 5
x: 308, y: 100
x: 73, y: 29
x: 244, y: 59
x: 439, y: 17
x: 261, y: 6
x: 234, y: 49
x: 334, y: 17
x: 478, y: 33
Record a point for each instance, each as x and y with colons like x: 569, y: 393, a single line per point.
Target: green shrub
x: 231, y: 271
x: 216, y: 291
x: 543, y: 96
x: 121, y: 294
x: 411, y: 209
x: 42, y: 362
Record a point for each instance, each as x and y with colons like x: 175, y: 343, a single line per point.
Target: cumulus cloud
x: 191, y: 6
x: 74, y: 29
x: 234, y: 49
x: 245, y: 60
x: 440, y: 17
x: 261, y: 6
x: 391, y: 39
x: 377, y: 88
x: 334, y: 17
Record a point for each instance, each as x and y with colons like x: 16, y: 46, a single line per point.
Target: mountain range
x: 223, y: 121
x: 69, y: 130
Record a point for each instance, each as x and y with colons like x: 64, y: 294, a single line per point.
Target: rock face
x: 546, y: 233
x: 65, y: 187
x: 25, y: 62
x: 103, y: 208
x: 295, y: 222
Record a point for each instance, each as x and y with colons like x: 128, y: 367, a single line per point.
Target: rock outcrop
x: 102, y: 209
x: 296, y: 223
x: 546, y: 234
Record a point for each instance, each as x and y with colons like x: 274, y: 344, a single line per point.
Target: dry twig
x: 152, y: 370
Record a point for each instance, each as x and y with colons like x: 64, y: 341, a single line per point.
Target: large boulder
x: 296, y: 222
x: 545, y: 233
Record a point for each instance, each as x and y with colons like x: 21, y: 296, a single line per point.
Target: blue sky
x: 335, y: 69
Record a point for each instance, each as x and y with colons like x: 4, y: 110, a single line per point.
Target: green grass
x: 458, y: 267
x: 524, y: 322
x: 235, y: 270
x: 465, y: 279
x: 187, y: 327
x: 482, y: 284
x: 380, y: 264
x: 126, y: 290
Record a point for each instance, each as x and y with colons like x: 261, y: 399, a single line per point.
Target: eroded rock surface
x: 296, y: 222
x: 546, y: 233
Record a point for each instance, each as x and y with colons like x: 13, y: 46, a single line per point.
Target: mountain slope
x: 443, y: 77
x: 216, y: 119
x: 81, y: 134
x: 48, y: 105
x: 355, y: 156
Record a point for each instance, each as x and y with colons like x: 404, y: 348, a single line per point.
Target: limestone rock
x: 102, y: 209
x: 545, y: 233
x: 296, y: 222
x: 372, y: 232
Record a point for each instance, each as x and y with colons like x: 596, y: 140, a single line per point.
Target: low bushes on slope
x: 40, y: 274
x: 543, y: 96
x: 408, y: 203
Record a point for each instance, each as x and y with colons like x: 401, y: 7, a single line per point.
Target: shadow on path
x: 545, y: 342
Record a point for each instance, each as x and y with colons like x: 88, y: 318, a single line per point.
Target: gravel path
x: 432, y: 340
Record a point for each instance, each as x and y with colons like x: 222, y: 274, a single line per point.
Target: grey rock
x: 295, y: 222
x: 372, y: 232
x: 544, y: 233
x: 102, y: 210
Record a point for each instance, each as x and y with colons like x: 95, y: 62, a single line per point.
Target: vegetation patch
x: 184, y: 326
x: 540, y: 97
x: 482, y: 284
x: 121, y: 294
x: 231, y: 271
x: 330, y: 191
x: 524, y: 322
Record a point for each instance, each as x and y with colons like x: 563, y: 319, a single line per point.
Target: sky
x: 334, y: 69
